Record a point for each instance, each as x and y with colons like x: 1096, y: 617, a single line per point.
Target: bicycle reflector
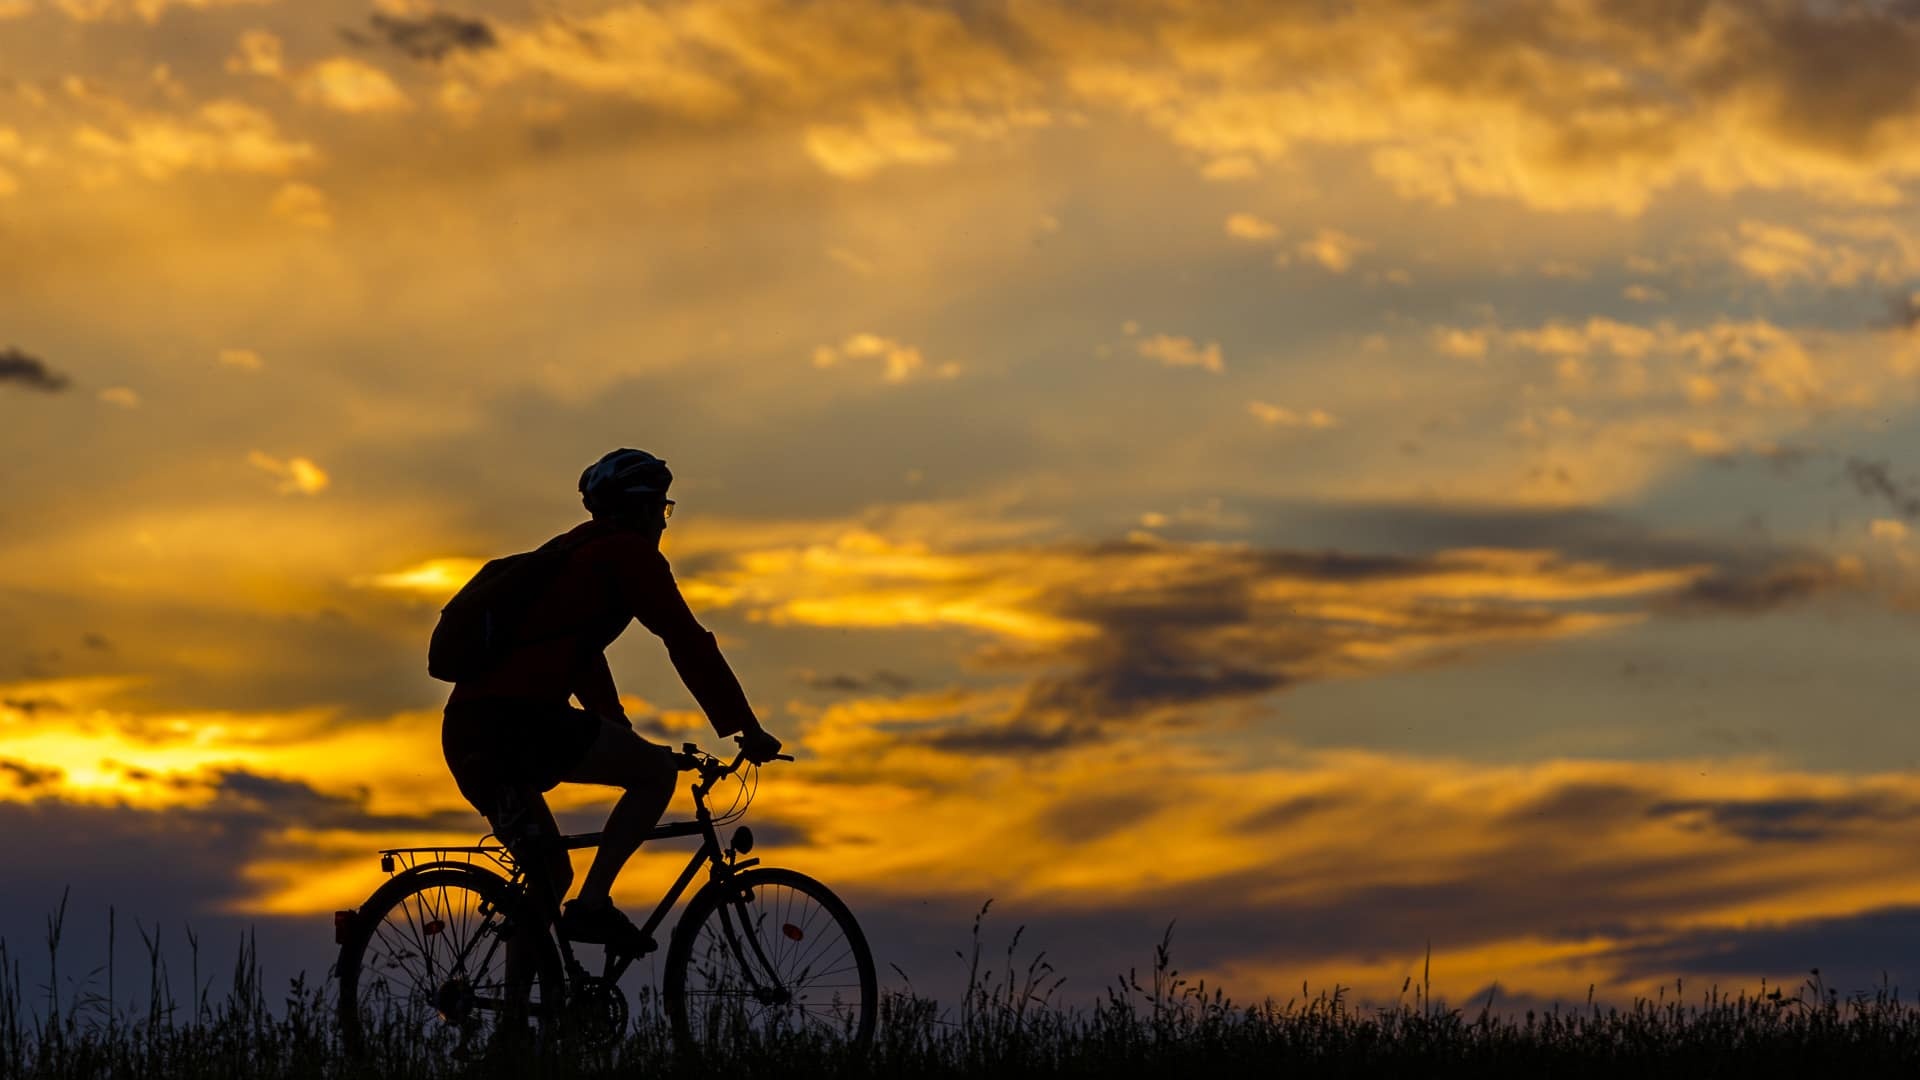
x: 792, y: 931
x: 743, y: 839
x: 342, y: 922
x: 434, y: 927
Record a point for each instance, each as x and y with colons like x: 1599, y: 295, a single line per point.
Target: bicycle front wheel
x: 447, y: 962
x: 764, y: 956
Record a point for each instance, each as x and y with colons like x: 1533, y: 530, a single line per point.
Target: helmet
x: 622, y: 480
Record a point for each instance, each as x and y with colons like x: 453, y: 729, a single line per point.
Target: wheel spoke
x: 788, y: 962
x: 431, y: 966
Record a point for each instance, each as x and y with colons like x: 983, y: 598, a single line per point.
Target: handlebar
x: 691, y: 759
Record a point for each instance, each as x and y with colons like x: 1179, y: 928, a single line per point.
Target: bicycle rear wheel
x: 767, y: 955
x: 424, y: 969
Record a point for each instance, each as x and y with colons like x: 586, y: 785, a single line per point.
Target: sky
x: 1354, y: 480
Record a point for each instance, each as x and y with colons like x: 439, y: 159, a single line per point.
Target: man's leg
x: 523, y: 821
x: 619, y: 758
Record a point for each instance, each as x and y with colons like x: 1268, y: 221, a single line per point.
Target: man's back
x: 610, y: 577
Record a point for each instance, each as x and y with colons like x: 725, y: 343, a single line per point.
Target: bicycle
x: 758, y: 953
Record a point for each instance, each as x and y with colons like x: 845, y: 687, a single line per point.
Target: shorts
x: 526, y: 745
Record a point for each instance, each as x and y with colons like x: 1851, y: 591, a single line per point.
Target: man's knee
x: 654, y: 774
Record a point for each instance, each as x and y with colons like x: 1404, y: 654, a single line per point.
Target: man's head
x: 628, y: 488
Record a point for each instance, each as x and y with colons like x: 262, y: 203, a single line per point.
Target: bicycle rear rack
x: 396, y: 861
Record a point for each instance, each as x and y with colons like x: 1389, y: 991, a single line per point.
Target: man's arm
x: 596, y: 691
x: 654, y: 598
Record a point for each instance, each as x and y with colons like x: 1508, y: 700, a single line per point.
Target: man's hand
x: 758, y: 745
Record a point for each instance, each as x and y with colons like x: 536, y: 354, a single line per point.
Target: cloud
x: 349, y: 85
x: 1753, y: 591
x: 305, y: 206
x: 1546, y: 875
x: 1183, y: 352
x: 1333, y: 249
x: 123, y: 396
x: 149, y: 11
x: 220, y: 136
x: 244, y: 359
x: 435, y: 579
x: 26, y: 777
x: 865, y: 86
x: 432, y: 36
x: 260, y: 52
x: 1250, y: 227
x: 1601, y: 108
x: 882, y: 137
x: 1875, y: 478
x: 1281, y: 416
x: 900, y: 362
x: 845, y: 683
x: 1784, y: 819
x: 1853, y: 952
x: 1830, y: 251
x: 1152, y: 631
x: 1906, y: 310
x: 297, y: 475
x: 17, y: 368
x: 1461, y: 343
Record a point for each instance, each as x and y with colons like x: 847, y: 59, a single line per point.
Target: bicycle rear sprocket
x: 599, y: 1011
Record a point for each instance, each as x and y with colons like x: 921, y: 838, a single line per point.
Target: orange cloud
x: 900, y: 362
x: 1183, y: 352
x: 298, y: 475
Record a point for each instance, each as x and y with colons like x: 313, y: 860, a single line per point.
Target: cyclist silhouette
x: 510, y: 734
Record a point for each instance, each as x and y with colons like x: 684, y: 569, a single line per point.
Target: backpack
x: 480, y: 625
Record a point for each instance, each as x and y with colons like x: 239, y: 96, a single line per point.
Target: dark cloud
x: 1875, y: 478
x: 1413, y: 528
x: 20, y: 369
x: 1852, y: 952
x: 1288, y: 813
x: 1756, y: 591
x: 34, y: 705
x: 253, y: 798
x: 1018, y: 738
x: 1786, y: 819
x: 96, y: 642
x: 1904, y: 309
x: 845, y: 683
x: 431, y: 37
x: 1212, y: 625
x: 173, y: 872
x: 29, y: 776
x: 1578, y: 804
x: 1826, y: 76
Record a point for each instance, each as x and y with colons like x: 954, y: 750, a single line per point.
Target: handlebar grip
x: 783, y: 757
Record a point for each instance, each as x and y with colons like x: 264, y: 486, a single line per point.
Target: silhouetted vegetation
x: 1007, y: 1024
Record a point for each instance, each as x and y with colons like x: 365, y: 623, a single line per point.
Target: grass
x: 1007, y: 1023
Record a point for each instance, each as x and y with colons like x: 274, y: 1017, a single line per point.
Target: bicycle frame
x: 722, y: 860
x: 709, y: 852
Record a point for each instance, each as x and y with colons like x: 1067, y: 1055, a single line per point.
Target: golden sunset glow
x: 1347, y: 478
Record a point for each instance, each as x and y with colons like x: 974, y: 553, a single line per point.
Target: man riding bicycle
x: 510, y: 735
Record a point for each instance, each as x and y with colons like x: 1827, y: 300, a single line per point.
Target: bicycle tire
x: 706, y: 993
x: 393, y: 938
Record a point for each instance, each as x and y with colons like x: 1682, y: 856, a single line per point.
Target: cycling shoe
x: 600, y: 923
